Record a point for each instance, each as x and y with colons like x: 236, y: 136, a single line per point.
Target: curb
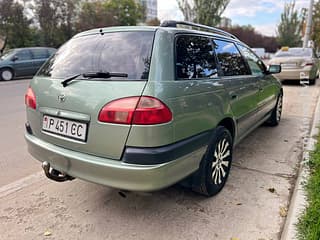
x: 298, y: 200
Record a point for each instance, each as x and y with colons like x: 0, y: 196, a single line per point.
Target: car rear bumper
x: 114, y: 173
x: 296, y: 74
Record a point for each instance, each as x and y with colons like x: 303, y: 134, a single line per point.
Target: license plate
x: 66, y: 128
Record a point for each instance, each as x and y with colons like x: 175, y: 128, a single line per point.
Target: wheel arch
x: 229, y: 124
x: 7, y: 67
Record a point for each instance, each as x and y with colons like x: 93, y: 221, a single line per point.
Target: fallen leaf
x: 239, y: 203
x: 47, y: 233
x: 234, y: 238
x: 283, y: 211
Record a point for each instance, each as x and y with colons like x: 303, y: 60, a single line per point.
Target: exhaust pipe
x: 54, y: 174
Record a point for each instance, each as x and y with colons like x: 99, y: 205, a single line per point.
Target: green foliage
x: 316, y: 25
x: 290, y: 26
x: 248, y: 35
x: 51, y: 23
x: 14, y: 26
x: 109, y: 13
x: 93, y: 15
x: 203, y: 11
x: 309, y: 223
x: 56, y: 19
x: 125, y: 12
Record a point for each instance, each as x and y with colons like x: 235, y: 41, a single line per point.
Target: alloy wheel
x: 221, y: 161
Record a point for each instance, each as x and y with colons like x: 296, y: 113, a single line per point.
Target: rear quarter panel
x: 197, y: 105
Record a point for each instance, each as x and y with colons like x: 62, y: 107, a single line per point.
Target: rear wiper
x: 93, y: 75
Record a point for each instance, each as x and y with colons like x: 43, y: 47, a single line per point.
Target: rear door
x: 240, y: 85
x: 80, y: 102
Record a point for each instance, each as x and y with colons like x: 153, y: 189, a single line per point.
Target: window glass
x: 230, y: 59
x: 39, y: 53
x: 23, y: 55
x: 195, y: 58
x: 7, y: 54
x: 116, y: 52
x: 256, y: 65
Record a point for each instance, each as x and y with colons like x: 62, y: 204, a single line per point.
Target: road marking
x: 20, y: 184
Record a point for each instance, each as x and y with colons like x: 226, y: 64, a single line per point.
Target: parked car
x: 141, y: 108
x: 297, y: 64
x: 20, y: 62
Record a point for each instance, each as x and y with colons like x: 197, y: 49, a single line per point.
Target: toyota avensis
x: 141, y: 108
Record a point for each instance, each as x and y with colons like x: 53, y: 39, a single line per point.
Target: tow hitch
x: 54, y: 174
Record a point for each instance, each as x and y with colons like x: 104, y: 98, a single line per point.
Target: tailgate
x: 78, y: 113
x: 67, y: 115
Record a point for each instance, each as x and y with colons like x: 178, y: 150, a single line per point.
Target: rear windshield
x: 295, y: 52
x: 117, y: 52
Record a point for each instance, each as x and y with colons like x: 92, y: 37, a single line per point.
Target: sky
x: 263, y: 15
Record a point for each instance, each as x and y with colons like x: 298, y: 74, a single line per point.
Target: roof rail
x: 172, y: 23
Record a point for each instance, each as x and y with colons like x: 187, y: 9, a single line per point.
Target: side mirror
x: 14, y: 58
x: 274, y: 69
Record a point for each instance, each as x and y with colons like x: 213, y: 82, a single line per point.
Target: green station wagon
x: 142, y: 108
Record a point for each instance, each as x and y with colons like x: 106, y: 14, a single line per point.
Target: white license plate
x: 63, y: 127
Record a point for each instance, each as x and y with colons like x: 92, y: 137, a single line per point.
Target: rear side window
x: 116, y: 52
x: 230, y: 59
x: 39, y: 53
x: 195, y: 58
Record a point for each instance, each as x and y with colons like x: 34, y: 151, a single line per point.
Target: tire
x: 276, y: 112
x: 312, y: 81
x: 215, y: 165
x: 6, y: 74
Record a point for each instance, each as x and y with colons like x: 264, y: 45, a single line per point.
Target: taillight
x: 135, y: 110
x: 308, y: 64
x: 30, y: 99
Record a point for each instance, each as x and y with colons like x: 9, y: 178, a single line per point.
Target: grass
x: 309, y: 222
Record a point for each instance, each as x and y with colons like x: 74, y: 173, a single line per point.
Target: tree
x: 248, y: 35
x: 93, y: 15
x: 56, y: 19
x: 125, y: 12
x: 316, y: 25
x: 68, y: 17
x: 109, y: 13
x: 207, y: 12
x: 289, y: 29
x: 14, y: 26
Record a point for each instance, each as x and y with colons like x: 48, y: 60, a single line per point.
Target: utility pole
x: 309, y: 24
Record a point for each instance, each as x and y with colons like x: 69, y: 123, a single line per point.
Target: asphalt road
x: 251, y: 206
x: 15, y: 162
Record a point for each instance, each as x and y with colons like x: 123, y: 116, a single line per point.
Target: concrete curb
x: 298, y: 200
